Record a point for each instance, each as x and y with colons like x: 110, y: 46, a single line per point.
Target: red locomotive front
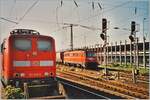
x: 28, y: 57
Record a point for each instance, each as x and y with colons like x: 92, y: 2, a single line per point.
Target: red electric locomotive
x: 84, y: 58
x: 28, y: 57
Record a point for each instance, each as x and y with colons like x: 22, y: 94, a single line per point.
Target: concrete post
x: 115, y: 52
x: 137, y: 53
x: 131, y: 53
x: 107, y: 54
x: 111, y: 53
x: 101, y: 55
x: 120, y: 53
x: 125, y: 53
x: 144, y: 53
x: 134, y: 66
x: 149, y: 54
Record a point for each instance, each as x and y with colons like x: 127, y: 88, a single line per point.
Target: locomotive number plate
x: 35, y: 63
x: 35, y: 74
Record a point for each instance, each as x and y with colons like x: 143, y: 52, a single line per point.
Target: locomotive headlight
x: 22, y: 74
x: 46, y: 73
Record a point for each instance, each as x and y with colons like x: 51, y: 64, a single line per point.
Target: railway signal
x: 103, y: 35
x: 133, y: 28
x: 104, y: 25
x: 133, y: 38
x: 104, y: 29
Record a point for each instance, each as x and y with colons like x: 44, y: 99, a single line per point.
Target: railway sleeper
x: 126, y: 86
x: 111, y: 83
x: 130, y: 87
x: 117, y: 89
x: 122, y: 85
x: 123, y: 91
x: 99, y: 88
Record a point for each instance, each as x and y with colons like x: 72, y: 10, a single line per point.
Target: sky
x: 48, y: 17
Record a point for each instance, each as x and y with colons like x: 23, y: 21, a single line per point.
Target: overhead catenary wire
x: 28, y: 10
x: 111, y: 9
x: 115, y: 7
x: 126, y: 19
x: 135, y: 10
x: 99, y: 6
x: 104, y: 11
x: 93, y: 6
x: 81, y: 19
x: 12, y: 8
x: 75, y: 3
x: 57, y: 16
x: 61, y: 3
x: 8, y: 20
x: 57, y: 9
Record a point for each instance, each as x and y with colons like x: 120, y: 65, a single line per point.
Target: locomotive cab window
x: 90, y: 54
x: 22, y: 44
x: 44, y: 45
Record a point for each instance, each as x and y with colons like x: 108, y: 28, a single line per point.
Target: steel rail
x: 85, y: 90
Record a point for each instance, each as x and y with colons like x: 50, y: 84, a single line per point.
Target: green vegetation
x: 144, y: 71
x: 13, y: 93
x: 128, y: 67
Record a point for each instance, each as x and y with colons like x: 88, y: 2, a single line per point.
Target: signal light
x: 102, y: 36
x: 104, y: 25
x: 133, y: 26
x: 131, y: 38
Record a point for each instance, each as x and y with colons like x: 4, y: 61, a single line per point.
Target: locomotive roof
x: 24, y: 32
x: 76, y: 50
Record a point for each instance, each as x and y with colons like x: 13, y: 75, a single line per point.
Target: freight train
x: 83, y: 58
x: 28, y: 57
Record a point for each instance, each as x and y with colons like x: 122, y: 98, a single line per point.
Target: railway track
x: 82, y: 90
x: 124, y: 75
x: 140, y: 78
x: 113, y: 87
x: 72, y: 91
x: 128, y: 75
